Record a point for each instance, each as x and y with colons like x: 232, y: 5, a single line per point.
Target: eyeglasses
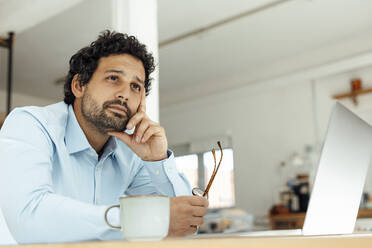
x: 200, y: 192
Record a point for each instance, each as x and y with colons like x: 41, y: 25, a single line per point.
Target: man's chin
x: 116, y: 123
x: 120, y: 127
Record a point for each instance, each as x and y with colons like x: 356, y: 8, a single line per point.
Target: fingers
x: 146, y: 129
x: 191, y: 230
x: 137, y: 118
x: 198, y: 201
x: 141, y: 121
x: 187, y: 213
x: 199, y: 211
x: 142, y: 106
x: 126, y: 138
x: 140, y: 114
x: 196, y: 221
x: 151, y: 131
x: 140, y: 129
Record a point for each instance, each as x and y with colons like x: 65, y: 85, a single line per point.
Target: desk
x: 337, y: 241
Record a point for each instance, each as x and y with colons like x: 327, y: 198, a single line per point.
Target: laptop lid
x: 341, y: 174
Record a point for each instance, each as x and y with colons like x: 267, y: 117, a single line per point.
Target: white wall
x: 265, y: 128
x: 19, y: 99
x: 267, y: 122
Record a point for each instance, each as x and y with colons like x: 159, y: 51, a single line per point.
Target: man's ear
x: 76, y: 87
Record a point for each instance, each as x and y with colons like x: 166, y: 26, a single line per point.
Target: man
x: 63, y: 164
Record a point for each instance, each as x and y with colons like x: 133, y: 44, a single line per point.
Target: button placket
x: 169, y: 170
x: 98, y: 170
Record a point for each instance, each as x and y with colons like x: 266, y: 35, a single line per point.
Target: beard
x: 97, y: 116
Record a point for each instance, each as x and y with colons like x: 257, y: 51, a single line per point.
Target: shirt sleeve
x: 33, y: 211
x: 160, y: 177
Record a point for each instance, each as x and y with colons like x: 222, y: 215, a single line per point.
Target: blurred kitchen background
x: 260, y: 76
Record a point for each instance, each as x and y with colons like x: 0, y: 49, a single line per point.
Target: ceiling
x: 19, y: 15
x: 268, y: 42
x: 261, y: 45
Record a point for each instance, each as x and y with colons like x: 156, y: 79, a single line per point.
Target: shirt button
x: 157, y: 172
x: 97, y: 168
x: 169, y: 169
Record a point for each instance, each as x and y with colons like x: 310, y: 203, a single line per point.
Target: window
x: 188, y: 165
x: 222, y: 192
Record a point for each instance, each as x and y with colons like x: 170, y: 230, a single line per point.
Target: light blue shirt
x: 53, y: 187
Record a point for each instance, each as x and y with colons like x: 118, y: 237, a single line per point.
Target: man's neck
x: 95, y: 138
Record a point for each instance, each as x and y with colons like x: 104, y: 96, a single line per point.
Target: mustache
x: 118, y: 102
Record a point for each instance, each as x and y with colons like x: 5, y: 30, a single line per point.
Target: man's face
x: 113, y: 94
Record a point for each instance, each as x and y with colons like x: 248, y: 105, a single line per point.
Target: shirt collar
x: 75, y: 138
x: 110, y: 147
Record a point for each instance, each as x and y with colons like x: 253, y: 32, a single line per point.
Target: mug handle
x: 107, y: 222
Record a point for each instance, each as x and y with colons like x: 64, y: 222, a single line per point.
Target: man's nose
x: 123, y: 93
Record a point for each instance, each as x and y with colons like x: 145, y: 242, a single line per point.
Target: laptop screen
x: 341, y: 174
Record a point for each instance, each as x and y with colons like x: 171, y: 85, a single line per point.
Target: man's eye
x: 136, y: 86
x: 112, y: 78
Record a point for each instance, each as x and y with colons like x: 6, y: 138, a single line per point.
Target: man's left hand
x: 148, y: 140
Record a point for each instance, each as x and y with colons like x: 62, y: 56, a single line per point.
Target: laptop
x: 339, y: 183
x: 342, y: 170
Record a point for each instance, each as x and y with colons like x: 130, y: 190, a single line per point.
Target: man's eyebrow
x: 116, y: 71
x: 139, y: 80
x: 123, y: 73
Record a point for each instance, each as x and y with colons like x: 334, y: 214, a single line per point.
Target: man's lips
x: 118, y: 109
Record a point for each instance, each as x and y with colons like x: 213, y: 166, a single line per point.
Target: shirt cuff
x: 166, y: 171
x: 162, y: 169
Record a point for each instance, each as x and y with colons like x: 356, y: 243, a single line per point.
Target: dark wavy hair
x: 85, y: 61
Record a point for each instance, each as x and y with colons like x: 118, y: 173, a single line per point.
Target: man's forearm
x: 163, y: 178
x: 49, y: 218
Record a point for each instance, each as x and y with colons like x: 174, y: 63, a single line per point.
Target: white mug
x: 144, y: 217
